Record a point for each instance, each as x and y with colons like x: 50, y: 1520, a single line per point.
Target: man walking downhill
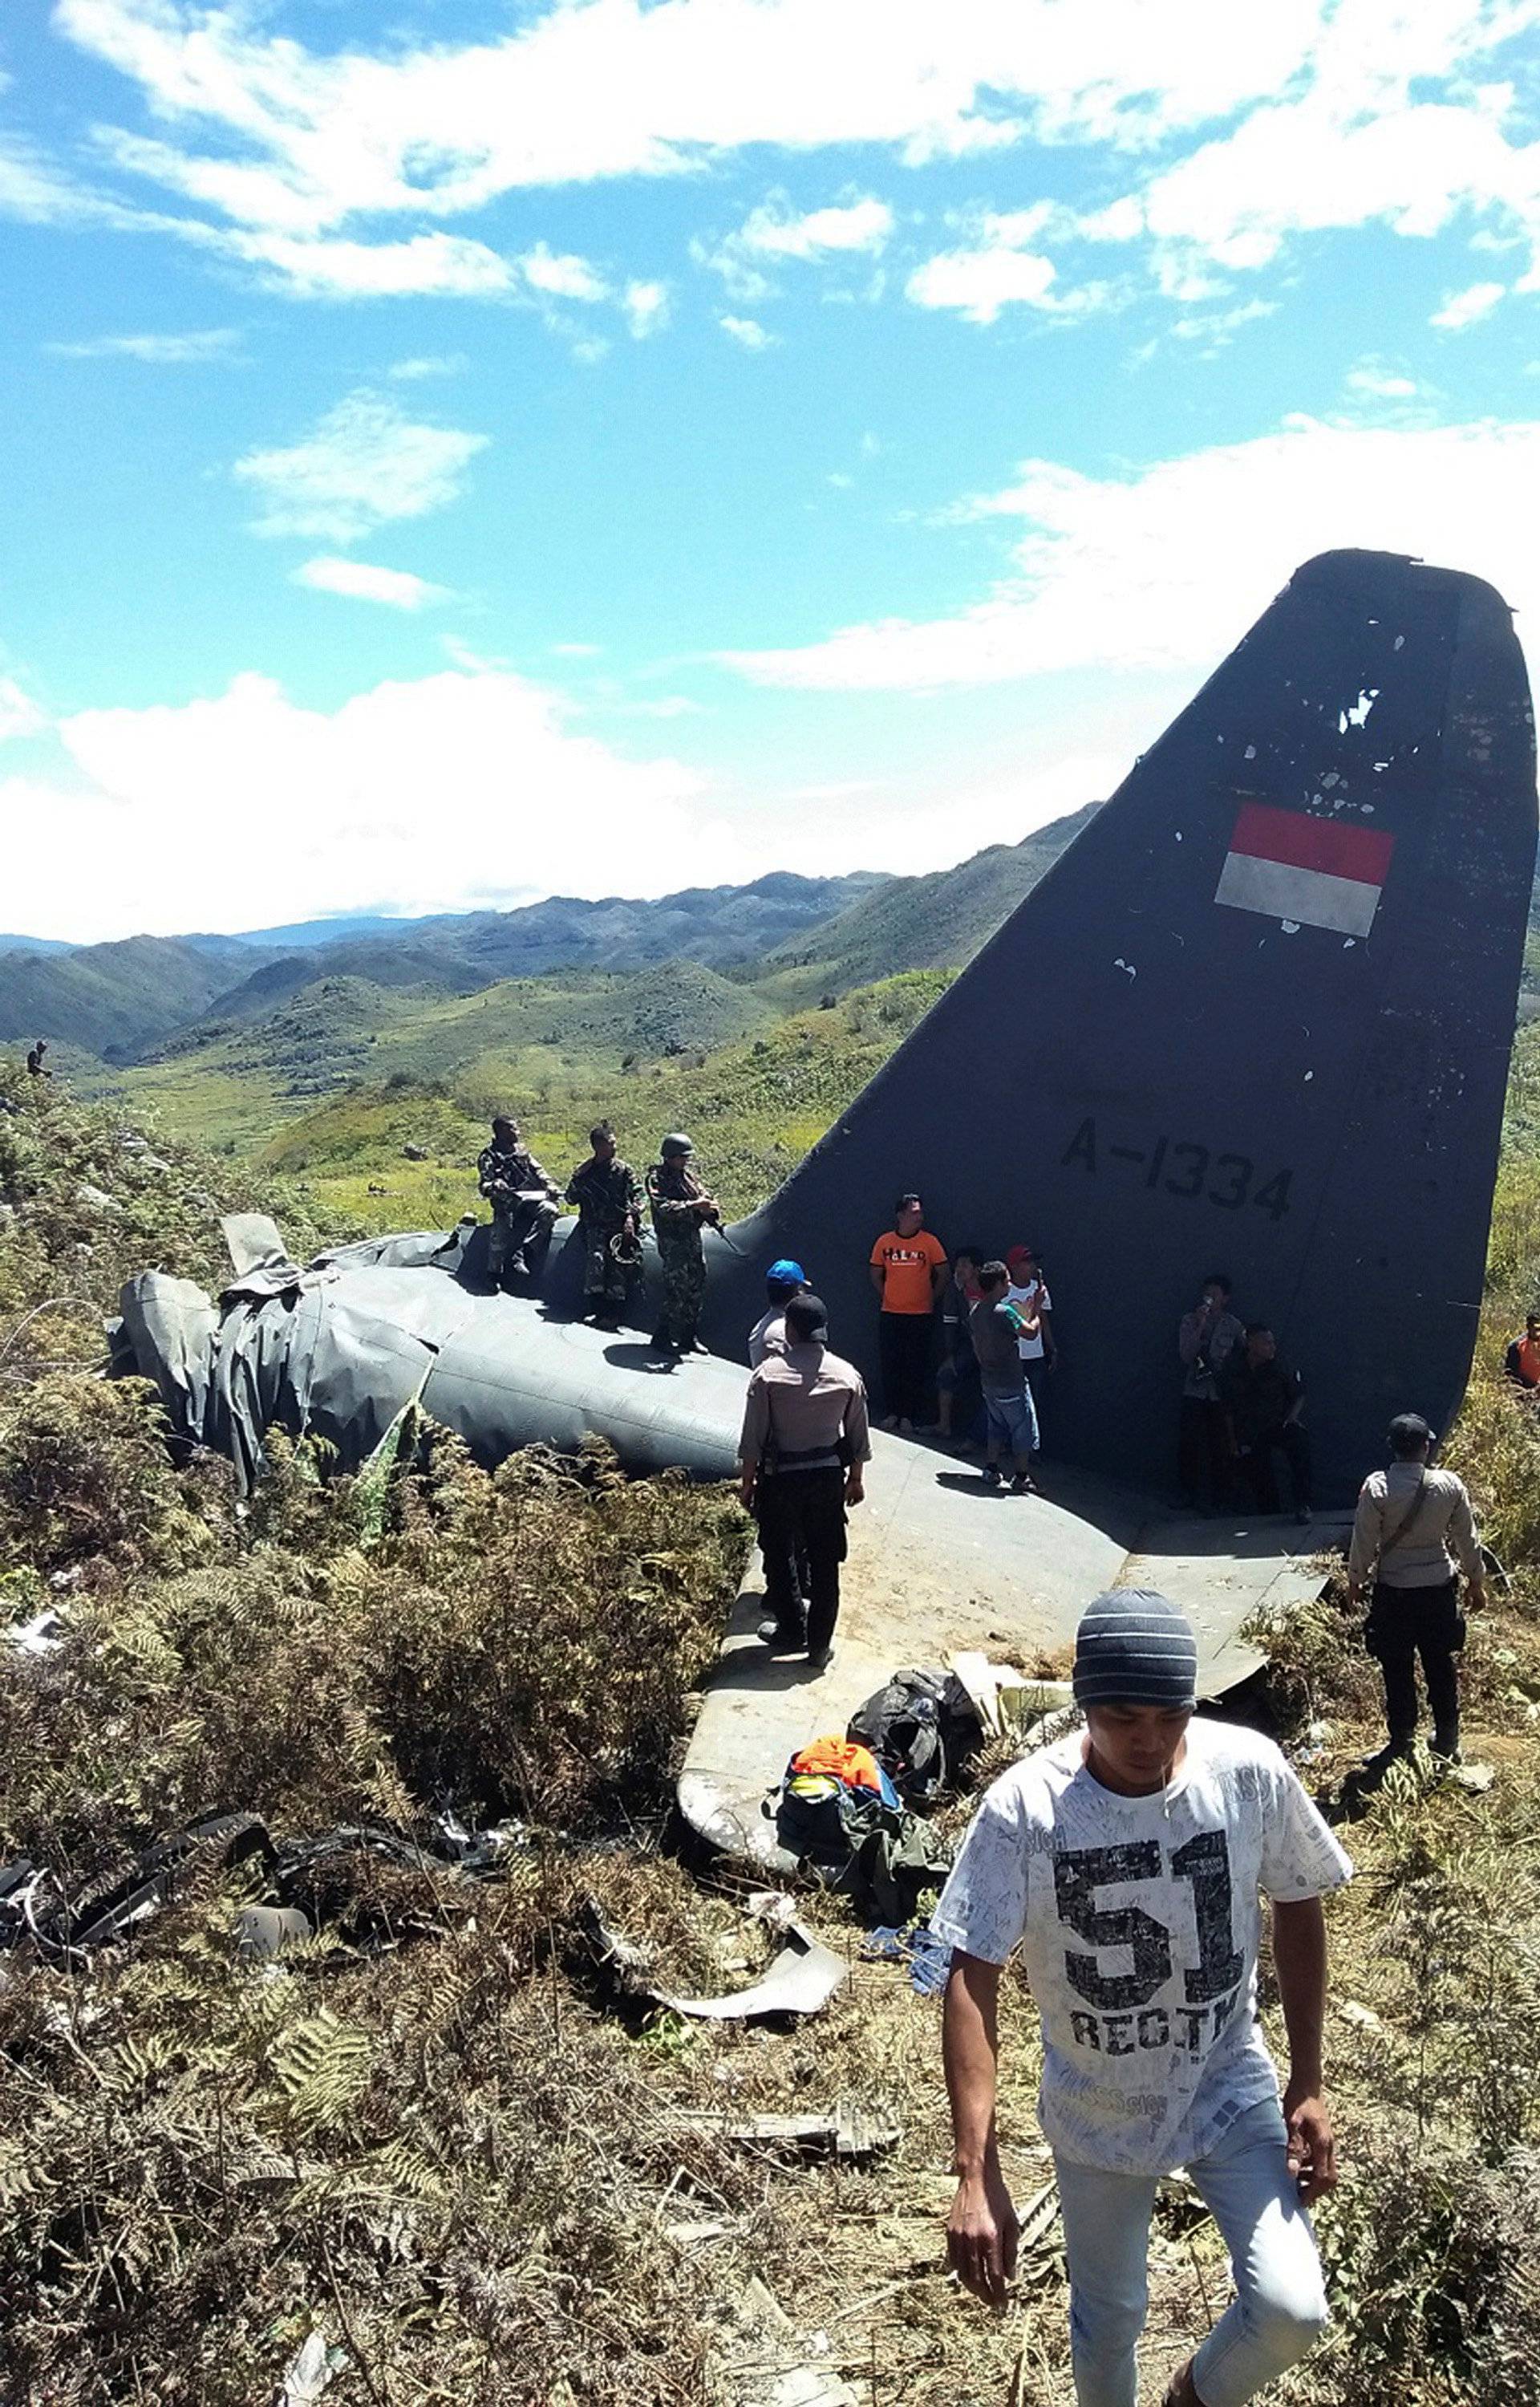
x: 608, y: 1195
x: 1412, y: 1532
x: 1128, y: 1861
x: 909, y: 1271
x: 1010, y: 1425
x: 681, y: 1208
x: 800, y: 1460
x: 523, y: 1198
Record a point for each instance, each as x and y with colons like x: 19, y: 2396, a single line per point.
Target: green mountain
x: 115, y: 1000
x: 939, y: 921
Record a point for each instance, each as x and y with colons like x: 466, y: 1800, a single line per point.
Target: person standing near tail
x: 997, y: 1327
x: 909, y: 1271
x: 1414, y: 1532
x: 1128, y: 1861
x: 783, y: 1280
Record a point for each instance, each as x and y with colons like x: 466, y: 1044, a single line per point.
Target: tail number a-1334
x: 1184, y: 1169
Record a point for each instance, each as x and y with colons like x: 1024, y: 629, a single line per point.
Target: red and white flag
x: 1318, y: 873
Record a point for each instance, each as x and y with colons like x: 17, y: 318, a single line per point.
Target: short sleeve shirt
x: 1032, y: 1298
x: 1139, y: 1920
x: 907, y: 1263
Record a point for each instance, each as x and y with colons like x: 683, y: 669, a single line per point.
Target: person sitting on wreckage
x: 524, y: 1201
x: 608, y: 1195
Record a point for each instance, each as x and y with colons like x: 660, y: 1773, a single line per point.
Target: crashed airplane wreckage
x: 1259, y: 1013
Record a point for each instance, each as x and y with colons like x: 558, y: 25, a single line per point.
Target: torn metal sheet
x: 800, y: 1981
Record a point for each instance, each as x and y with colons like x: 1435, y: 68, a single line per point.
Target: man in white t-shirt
x: 1129, y: 1862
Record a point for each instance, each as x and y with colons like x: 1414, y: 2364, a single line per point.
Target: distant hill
x: 33, y: 945
x: 934, y: 922
x: 125, y: 1000
x: 114, y: 1000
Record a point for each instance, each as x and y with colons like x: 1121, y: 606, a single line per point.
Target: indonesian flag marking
x: 1320, y: 873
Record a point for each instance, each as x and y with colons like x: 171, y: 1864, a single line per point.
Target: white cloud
x: 360, y: 581
x: 647, y: 309
x: 996, y: 268
x: 1333, y: 113
x: 562, y: 276
x: 19, y: 714
x: 1467, y: 308
x: 364, y: 465
x: 1373, y: 381
x: 441, y: 364
x: 339, y: 796
x: 444, y: 263
x: 978, y: 284
x: 155, y: 350
x: 776, y: 232
x: 1167, y: 567
x: 749, y: 332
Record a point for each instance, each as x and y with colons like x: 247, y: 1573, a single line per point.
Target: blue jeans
x: 1012, y: 1421
x: 1279, y: 2309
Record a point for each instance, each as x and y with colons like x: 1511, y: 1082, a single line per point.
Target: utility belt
x: 775, y: 1459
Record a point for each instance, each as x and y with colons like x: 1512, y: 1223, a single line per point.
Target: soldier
x: 35, y: 1059
x: 524, y: 1204
x: 680, y: 1207
x: 608, y: 1195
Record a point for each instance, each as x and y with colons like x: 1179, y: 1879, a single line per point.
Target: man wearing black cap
x: 1128, y: 1860
x: 804, y: 1446
x: 1413, y: 1532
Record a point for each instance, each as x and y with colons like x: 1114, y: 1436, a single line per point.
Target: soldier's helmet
x: 676, y: 1144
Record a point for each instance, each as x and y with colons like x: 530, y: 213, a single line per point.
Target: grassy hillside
x: 114, y: 1000
x: 922, y: 923
x: 754, y: 1108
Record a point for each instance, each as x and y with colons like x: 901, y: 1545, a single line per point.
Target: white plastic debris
x: 310, y: 2372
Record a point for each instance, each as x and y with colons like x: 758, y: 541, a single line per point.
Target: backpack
x: 922, y: 1728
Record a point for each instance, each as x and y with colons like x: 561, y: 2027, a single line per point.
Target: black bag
x: 922, y: 1728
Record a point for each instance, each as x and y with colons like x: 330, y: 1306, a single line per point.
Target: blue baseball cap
x: 785, y: 1274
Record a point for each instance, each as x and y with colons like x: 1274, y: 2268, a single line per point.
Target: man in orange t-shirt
x: 909, y: 1271
x: 1521, y: 1362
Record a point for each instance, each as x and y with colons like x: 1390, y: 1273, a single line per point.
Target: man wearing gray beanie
x: 1128, y: 1861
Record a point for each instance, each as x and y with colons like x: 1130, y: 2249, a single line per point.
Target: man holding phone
x: 1128, y: 1861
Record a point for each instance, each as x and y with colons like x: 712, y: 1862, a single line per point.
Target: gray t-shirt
x: 991, y: 1325
x: 1139, y: 1920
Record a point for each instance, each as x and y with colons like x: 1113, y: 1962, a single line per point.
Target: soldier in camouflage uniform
x: 524, y: 1204
x: 608, y: 1195
x: 681, y: 1208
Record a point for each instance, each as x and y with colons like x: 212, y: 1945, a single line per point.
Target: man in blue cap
x: 783, y: 1280
x: 1128, y: 1861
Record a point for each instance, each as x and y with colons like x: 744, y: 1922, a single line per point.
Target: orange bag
x: 840, y: 1759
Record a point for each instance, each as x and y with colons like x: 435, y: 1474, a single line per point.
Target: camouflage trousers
x: 683, y: 1288
x: 604, y: 1279
x: 520, y: 1228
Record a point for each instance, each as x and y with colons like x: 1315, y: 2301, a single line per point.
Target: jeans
x: 903, y: 1345
x: 803, y: 1514
x: 1403, y: 1624
x: 1012, y: 1421
x: 1279, y: 2310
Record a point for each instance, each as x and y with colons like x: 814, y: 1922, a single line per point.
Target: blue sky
x: 457, y: 453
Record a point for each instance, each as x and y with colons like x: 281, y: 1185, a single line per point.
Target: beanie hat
x: 1134, y: 1647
